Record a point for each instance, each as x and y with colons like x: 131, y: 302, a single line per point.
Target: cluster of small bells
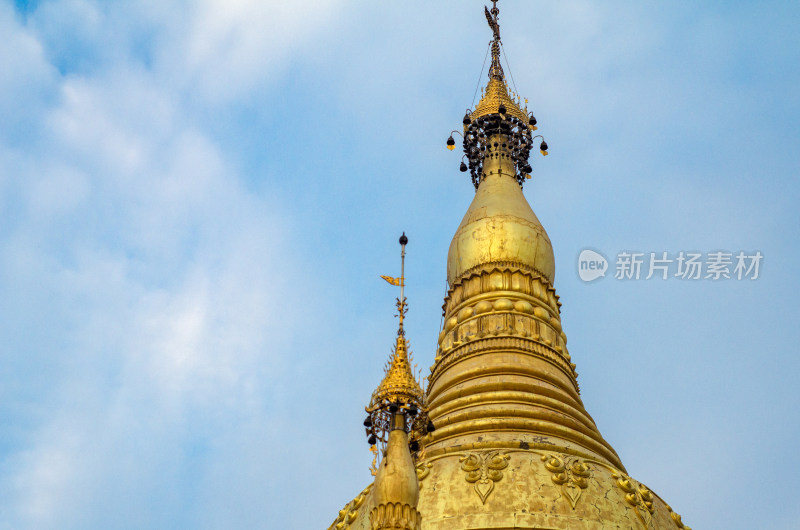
x: 478, y: 134
x: 378, y: 423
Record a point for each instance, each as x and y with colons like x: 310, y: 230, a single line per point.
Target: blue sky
x: 197, y: 198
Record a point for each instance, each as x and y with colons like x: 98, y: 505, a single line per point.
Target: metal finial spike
x: 402, y: 307
x: 491, y: 18
x: 495, y: 70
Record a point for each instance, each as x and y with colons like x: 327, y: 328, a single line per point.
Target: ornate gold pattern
x: 496, y: 94
x: 399, y: 383
x: 638, y: 496
x: 502, y: 276
x: 473, y: 345
x: 503, y: 301
x: 395, y: 515
x: 423, y: 470
x: 571, y: 473
x: 483, y: 470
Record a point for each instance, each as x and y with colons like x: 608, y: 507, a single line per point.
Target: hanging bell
x: 451, y: 144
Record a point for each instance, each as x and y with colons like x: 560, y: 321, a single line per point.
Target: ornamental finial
x: 402, y: 307
x: 399, y: 393
x: 496, y: 70
x: 497, y: 126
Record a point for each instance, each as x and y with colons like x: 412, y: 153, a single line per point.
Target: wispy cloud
x: 144, y: 314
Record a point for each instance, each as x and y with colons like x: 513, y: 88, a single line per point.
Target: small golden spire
x: 399, y: 390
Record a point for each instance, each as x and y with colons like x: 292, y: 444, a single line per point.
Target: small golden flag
x: 393, y: 281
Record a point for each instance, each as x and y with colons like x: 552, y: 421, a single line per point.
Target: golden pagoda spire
x: 501, y: 313
x: 514, y: 446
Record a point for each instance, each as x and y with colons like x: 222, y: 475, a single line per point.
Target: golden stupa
x: 500, y: 439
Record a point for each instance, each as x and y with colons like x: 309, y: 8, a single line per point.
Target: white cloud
x: 224, y: 50
x: 156, y: 283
